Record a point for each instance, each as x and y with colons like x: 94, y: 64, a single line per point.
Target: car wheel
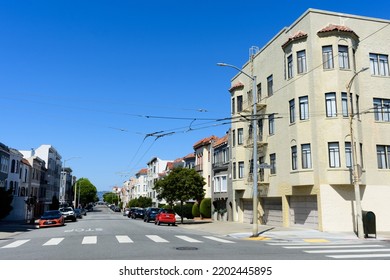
x: 158, y: 223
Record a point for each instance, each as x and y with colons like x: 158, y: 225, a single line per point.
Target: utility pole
x: 355, y: 166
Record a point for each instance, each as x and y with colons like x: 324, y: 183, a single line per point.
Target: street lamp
x: 355, y: 171
x: 63, y: 181
x: 255, y: 228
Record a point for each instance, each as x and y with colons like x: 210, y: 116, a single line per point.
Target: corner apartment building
x: 303, y: 124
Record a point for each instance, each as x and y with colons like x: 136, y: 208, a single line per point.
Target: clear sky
x: 95, y: 78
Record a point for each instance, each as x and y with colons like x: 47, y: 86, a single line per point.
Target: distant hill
x: 100, y: 194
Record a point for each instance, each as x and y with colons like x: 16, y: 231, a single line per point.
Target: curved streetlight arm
x: 349, y: 85
x: 235, y: 67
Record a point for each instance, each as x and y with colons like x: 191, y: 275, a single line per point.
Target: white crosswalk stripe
x: 89, y: 240
x: 16, y: 243
x: 53, y: 241
x: 157, y: 239
x: 123, y: 239
x: 188, y: 239
x: 218, y: 239
x: 343, y: 250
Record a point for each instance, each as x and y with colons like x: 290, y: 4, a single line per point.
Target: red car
x: 165, y: 216
x: 51, y: 218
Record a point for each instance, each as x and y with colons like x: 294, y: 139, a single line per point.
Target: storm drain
x: 186, y: 248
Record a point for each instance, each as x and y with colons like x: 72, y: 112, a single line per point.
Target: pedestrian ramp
x: 340, y: 250
x: 122, y: 239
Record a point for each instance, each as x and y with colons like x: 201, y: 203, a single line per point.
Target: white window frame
x: 327, y: 57
x: 304, y: 107
x: 343, y: 57
x: 301, y: 62
x: 334, y: 155
x: 331, y: 106
x: 306, y: 156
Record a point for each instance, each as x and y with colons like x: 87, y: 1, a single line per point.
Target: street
x: 107, y: 235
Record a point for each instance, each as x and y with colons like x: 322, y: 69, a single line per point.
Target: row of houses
x: 210, y: 159
x: 317, y: 97
x: 36, y: 177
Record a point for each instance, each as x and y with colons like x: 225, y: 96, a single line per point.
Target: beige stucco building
x: 303, y: 125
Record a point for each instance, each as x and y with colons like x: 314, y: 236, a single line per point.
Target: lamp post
x: 355, y: 171
x: 63, y: 181
x: 255, y: 228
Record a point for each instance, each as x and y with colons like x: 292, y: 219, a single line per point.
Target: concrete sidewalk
x: 11, y: 228
x: 244, y: 231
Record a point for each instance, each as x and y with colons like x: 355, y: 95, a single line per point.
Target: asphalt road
x: 107, y: 235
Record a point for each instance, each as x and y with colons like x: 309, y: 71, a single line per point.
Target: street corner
x: 257, y: 238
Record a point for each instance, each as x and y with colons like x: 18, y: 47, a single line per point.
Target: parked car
x: 68, y: 213
x: 51, y: 218
x: 126, y: 211
x: 89, y: 207
x: 138, y: 213
x: 131, y: 211
x: 166, y: 216
x: 83, y: 211
x: 77, y: 213
x: 150, y: 214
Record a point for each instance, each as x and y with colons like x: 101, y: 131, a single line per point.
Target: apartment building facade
x: 304, y: 140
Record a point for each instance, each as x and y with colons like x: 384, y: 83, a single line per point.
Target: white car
x: 68, y: 213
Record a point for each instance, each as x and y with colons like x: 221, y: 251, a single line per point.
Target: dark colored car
x: 131, y: 210
x: 78, y: 213
x: 138, y: 213
x: 150, y: 214
x: 165, y: 216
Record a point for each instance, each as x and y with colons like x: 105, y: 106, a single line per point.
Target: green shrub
x: 195, y: 210
x: 187, y: 210
x: 205, y: 208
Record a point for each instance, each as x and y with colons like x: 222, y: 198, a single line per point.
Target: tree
x: 6, y: 198
x: 88, y: 191
x: 110, y: 198
x: 181, y: 184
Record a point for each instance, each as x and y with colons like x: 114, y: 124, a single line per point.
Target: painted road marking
x: 365, y: 256
x: 218, y: 239
x: 123, y: 239
x: 89, y: 240
x: 16, y: 243
x: 331, y: 246
x: 188, y: 239
x: 53, y: 241
x: 156, y: 238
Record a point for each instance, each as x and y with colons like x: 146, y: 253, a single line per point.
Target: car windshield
x: 169, y: 211
x: 67, y: 209
x: 51, y: 214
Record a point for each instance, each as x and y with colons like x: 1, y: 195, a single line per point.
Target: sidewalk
x: 11, y: 228
x: 244, y: 231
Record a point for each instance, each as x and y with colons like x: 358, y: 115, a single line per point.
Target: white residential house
x: 155, y: 169
x: 53, y: 172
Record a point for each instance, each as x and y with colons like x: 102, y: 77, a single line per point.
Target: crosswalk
x: 121, y: 239
x: 340, y: 250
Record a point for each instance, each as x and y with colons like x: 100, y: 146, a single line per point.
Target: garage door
x: 304, y: 211
x: 248, y: 211
x: 273, y: 214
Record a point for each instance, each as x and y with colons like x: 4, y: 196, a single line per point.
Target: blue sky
x: 94, y: 78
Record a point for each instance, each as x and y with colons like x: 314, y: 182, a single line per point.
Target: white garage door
x: 304, y: 211
x: 273, y: 215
